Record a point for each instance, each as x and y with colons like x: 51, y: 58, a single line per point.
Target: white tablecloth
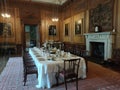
x: 48, y: 68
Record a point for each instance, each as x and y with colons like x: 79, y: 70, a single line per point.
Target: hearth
x: 97, y: 49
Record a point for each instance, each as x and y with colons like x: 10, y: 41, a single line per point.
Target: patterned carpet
x: 98, y: 78
x: 3, y: 61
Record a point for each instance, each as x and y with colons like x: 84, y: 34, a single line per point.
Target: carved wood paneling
x: 41, y: 13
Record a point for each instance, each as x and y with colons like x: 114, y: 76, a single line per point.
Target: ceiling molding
x: 58, y: 2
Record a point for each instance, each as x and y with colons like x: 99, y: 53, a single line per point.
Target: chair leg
x: 76, y: 83
x: 65, y: 84
x: 37, y: 75
x: 56, y: 76
x: 25, y: 78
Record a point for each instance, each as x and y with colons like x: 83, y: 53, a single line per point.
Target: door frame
x: 24, y: 37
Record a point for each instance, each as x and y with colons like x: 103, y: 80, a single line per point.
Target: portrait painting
x: 52, y: 30
x: 66, y: 29
x: 77, y: 28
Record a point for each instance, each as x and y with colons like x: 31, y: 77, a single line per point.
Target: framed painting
x: 78, y: 27
x: 66, y: 29
x: 52, y: 30
x: 6, y: 29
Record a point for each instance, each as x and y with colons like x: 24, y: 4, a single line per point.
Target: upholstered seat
x: 28, y: 62
x: 68, y: 74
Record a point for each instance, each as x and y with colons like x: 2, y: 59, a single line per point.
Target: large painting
x: 102, y: 16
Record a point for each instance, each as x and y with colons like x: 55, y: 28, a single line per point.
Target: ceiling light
x: 55, y: 11
x: 55, y: 19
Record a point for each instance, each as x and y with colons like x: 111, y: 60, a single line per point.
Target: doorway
x: 31, y: 36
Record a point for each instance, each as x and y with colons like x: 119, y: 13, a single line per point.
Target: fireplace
x: 100, y: 44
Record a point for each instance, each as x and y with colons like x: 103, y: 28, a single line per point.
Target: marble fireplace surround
x: 104, y: 37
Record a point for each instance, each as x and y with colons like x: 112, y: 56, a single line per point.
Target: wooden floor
x: 106, y: 64
x: 98, y: 78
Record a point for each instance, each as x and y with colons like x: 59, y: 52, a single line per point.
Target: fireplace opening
x: 97, y: 49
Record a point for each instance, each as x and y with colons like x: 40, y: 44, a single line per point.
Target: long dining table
x: 47, y: 67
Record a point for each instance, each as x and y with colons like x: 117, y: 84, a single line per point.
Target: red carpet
x: 98, y: 78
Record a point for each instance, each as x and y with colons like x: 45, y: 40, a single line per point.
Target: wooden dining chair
x: 69, y: 72
x: 29, y: 68
x: 28, y: 61
x: 115, y: 59
x: 27, y: 55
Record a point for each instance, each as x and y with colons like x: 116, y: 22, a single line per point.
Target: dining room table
x: 47, y: 65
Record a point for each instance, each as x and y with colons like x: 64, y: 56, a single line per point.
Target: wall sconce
x: 5, y: 15
x: 79, y: 21
x: 4, y: 8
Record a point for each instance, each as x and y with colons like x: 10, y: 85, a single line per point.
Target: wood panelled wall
x: 71, y: 32
x: 117, y: 19
x: 15, y: 27
x: 41, y: 14
x: 45, y: 23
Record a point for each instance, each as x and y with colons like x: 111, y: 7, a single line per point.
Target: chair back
x: 71, y: 66
x: 116, y: 53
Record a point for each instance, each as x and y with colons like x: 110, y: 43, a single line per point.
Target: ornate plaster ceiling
x: 50, y: 1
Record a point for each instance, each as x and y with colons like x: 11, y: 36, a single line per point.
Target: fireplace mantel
x: 106, y: 37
